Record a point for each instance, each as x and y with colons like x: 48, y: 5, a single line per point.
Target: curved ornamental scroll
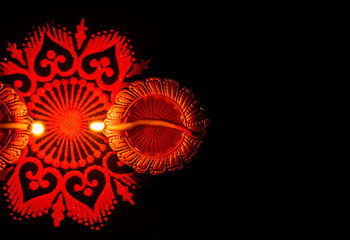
x: 155, y: 126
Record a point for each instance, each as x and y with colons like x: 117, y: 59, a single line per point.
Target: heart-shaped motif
x: 32, y: 189
x: 85, y: 188
x: 89, y: 197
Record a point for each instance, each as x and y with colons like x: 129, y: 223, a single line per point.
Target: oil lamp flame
x: 37, y: 128
x: 97, y: 126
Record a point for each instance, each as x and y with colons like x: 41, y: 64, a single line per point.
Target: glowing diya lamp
x: 15, y: 126
x: 155, y: 126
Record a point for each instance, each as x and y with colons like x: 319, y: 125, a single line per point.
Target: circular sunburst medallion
x: 65, y: 108
x: 155, y: 125
x: 12, y: 139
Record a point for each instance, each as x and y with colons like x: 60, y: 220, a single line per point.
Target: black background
x: 183, y: 41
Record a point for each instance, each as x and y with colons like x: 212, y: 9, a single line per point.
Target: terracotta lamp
x: 15, y: 126
x: 155, y: 125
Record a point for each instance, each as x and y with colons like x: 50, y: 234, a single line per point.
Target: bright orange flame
x: 37, y: 128
x: 97, y: 126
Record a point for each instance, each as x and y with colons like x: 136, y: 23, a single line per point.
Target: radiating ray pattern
x: 66, y: 108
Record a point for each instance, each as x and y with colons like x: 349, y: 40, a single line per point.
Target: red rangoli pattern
x: 67, y: 80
